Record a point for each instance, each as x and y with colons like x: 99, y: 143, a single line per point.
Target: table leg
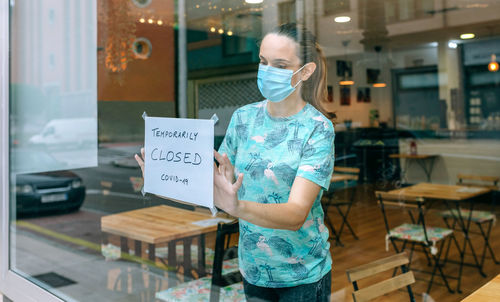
x: 201, y: 256
x: 172, y: 263
x: 151, y: 252
x: 404, y: 171
x: 172, y: 257
x: 104, y: 238
x: 187, y: 257
x: 427, y: 169
x: 124, y: 245
x: 137, y: 248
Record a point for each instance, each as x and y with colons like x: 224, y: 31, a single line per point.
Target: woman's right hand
x: 140, y: 160
x: 226, y: 163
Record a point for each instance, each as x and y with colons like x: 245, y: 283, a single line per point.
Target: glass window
x: 411, y: 88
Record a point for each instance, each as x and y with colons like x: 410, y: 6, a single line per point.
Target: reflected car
x: 43, y: 192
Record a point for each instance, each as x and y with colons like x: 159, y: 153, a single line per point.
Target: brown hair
x: 314, y: 90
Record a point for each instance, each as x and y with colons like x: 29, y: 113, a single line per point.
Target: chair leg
x: 429, y: 261
x: 329, y: 222
x: 345, y: 222
x: 467, y: 240
x: 405, y: 269
x: 394, y: 272
x: 486, y: 237
x: 447, y: 252
x: 438, y: 267
x: 411, y: 254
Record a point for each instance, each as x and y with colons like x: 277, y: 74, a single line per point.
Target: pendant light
x: 493, y: 65
x: 379, y: 82
x: 345, y: 81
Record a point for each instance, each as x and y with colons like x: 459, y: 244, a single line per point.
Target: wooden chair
x: 344, y: 179
x: 481, y: 219
x: 224, y: 284
x: 416, y: 233
x: 381, y: 288
x: 223, y: 251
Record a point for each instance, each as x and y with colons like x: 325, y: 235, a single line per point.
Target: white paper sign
x: 179, y: 159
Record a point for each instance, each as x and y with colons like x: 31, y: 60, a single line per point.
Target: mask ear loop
x: 300, y: 79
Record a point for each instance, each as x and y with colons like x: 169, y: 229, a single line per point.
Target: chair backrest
x: 383, y: 287
x: 223, y: 251
x: 490, y: 182
x: 484, y: 181
x: 413, y: 204
x: 348, y: 172
x: 344, y: 178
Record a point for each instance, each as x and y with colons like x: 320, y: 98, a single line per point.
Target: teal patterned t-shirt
x: 271, y: 152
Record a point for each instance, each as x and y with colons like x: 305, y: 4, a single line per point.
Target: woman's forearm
x: 288, y: 216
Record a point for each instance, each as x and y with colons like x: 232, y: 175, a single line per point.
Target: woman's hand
x: 224, y: 161
x: 225, y: 191
x: 140, y: 161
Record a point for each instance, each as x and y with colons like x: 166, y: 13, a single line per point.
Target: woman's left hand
x: 225, y: 191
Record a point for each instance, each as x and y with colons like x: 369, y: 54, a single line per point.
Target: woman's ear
x: 308, y: 70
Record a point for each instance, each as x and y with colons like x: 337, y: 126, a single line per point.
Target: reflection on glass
x: 53, y: 84
x: 438, y: 98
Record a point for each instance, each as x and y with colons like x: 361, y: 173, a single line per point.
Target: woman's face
x: 281, y: 52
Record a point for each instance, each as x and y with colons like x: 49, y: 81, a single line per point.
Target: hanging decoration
x: 118, y: 33
x: 379, y: 82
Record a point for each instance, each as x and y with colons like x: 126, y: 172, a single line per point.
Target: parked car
x: 67, y: 134
x: 45, y: 191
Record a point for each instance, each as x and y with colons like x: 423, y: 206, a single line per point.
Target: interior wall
x: 455, y: 156
x: 152, y: 79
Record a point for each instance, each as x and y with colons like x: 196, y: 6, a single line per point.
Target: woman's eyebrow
x: 280, y: 61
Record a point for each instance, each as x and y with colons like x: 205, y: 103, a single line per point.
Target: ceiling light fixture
x: 346, y: 81
x: 254, y: 1
x: 452, y: 45
x: 379, y: 82
x: 467, y: 36
x: 342, y: 19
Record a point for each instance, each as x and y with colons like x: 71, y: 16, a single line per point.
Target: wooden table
x: 161, y: 225
x: 458, y: 195
x: 421, y: 160
x: 439, y: 191
x: 488, y: 292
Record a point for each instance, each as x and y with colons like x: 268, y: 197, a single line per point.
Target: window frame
x: 12, y: 285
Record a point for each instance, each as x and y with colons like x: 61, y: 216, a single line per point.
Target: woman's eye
x: 281, y: 66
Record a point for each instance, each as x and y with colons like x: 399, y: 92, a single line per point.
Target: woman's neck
x: 288, y: 107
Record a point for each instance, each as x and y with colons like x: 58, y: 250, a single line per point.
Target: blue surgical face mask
x: 275, y: 84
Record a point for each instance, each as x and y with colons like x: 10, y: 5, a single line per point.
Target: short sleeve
x: 229, y: 144
x: 317, y: 166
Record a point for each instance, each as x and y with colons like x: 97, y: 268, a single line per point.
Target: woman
x: 281, y: 150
